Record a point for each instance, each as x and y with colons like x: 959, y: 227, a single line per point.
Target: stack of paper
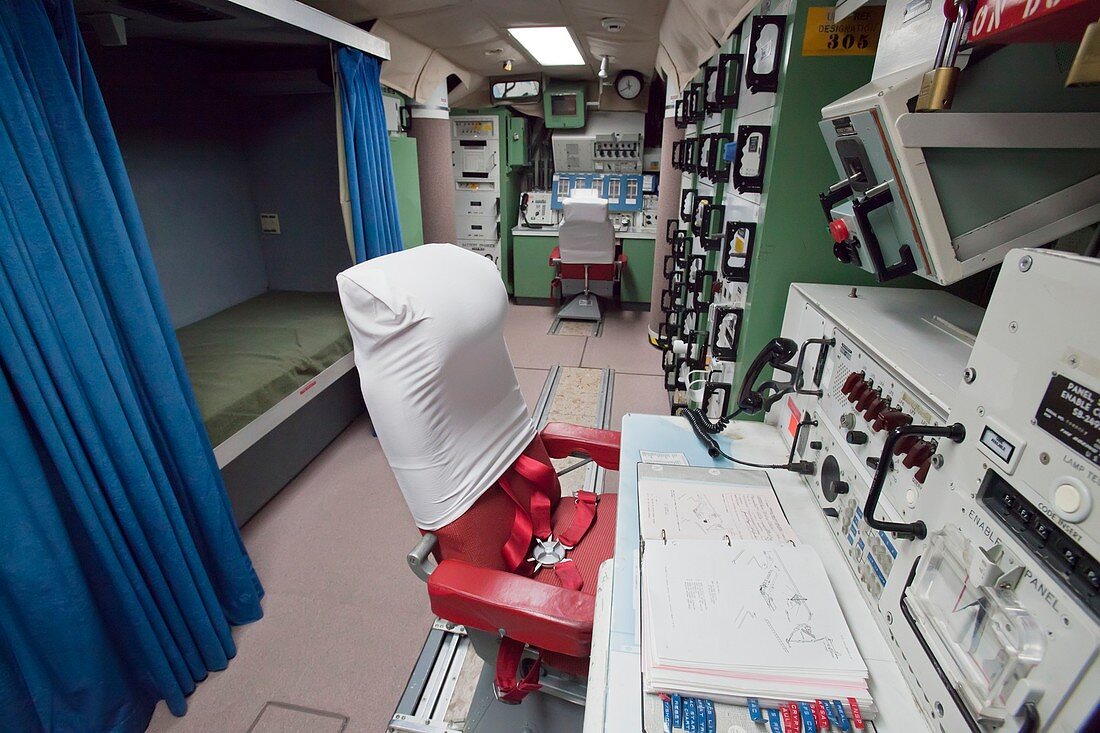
x: 745, y: 619
x: 732, y: 607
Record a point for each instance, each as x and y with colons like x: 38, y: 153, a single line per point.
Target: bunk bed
x: 210, y: 118
x: 275, y: 381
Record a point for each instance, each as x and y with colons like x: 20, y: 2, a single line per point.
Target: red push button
x: 839, y: 230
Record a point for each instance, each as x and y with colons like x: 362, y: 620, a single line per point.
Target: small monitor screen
x: 563, y: 105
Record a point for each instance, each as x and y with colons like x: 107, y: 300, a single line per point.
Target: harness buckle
x: 547, y: 552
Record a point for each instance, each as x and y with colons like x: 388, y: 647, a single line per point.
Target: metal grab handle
x: 876, y: 198
x: 906, y: 530
x: 419, y: 558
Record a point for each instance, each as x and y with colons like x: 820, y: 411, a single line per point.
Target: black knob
x: 856, y: 437
x: 831, y: 484
x: 815, y: 445
x: 830, y: 512
x: 842, y: 253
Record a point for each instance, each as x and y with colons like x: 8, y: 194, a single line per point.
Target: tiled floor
x: 344, y: 619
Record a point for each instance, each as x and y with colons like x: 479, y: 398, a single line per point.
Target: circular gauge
x: 629, y: 83
x: 831, y: 483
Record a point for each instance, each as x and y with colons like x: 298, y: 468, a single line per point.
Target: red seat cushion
x: 598, y: 545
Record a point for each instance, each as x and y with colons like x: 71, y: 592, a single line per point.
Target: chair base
x: 557, y: 708
x: 584, y: 307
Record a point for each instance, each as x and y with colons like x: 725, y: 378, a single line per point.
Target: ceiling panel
x: 514, y: 13
x: 473, y: 57
x: 447, y: 28
x: 637, y: 55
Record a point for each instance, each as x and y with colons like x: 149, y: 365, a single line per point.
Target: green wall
x: 406, y: 180
x: 793, y: 244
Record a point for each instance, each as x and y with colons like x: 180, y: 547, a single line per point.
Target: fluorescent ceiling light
x: 550, y: 46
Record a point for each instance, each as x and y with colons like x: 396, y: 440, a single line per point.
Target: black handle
x: 688, y: 194
x: 906, y: 530
x: 861, y: 208
x: 710, y: 104
x: 726, y: 64
x: 681, y: 107
x: 776, y: 354
x: 837, y: 192
x: 696, y: 101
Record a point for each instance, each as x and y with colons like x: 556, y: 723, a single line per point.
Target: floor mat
x: 562, y: 327
x: 281, y: 717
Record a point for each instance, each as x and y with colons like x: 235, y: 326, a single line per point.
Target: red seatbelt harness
x: 534, y: 526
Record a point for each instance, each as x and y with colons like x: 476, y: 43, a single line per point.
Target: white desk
x: 615, y: 699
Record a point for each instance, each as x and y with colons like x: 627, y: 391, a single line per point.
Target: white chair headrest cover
x: 586, y: 236
x: 428, y: 329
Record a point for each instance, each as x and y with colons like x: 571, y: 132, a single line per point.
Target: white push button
x: 1067, y: 498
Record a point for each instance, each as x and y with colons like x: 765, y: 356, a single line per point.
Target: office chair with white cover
x: 427, y: 326
x: 586, y: 261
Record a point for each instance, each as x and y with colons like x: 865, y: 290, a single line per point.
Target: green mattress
x: 244, y: 360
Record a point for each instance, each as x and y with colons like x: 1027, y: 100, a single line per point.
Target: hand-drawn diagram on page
x: 707, y: 507
x: 789, y: 611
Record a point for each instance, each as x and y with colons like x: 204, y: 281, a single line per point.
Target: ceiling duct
x: 177, y: 11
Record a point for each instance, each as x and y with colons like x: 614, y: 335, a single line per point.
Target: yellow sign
x: 856, y: 35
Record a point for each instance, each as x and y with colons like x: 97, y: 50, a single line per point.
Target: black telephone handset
x: 752, y: 399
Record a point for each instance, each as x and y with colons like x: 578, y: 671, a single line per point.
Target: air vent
x: 177, y: 11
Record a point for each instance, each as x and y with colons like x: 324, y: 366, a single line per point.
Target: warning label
x: 856, y: 35
x: 1071, y: 413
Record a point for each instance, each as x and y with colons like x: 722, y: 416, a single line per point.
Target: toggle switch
x: 890, y: 419
x: 920, y: 452
x: 877, y: 406
x: 868, y: 396
x: 862, y: 386
x: 904, y: 444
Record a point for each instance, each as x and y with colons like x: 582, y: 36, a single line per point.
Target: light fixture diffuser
x: 549, y: 45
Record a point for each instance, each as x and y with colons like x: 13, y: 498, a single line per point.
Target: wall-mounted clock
x: 629, y: 83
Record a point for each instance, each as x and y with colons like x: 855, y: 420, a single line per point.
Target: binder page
x: 751, y: 607
x: 691, y: 502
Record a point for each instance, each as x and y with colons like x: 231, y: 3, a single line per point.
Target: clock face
x: 629, y: 84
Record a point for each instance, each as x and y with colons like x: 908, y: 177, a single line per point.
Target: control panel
x: 617, y: 153
x: 476, y: 150
x: 622, y: 191
x: 859, y: 390
x: 955, y: 460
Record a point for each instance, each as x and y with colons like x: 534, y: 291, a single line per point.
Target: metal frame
x: 232, y: 447
x: 311, y: 19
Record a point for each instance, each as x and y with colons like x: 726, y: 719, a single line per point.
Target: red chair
x: 587, y: 256
x: 427, y: 325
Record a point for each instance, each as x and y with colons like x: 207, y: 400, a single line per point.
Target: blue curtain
x: 374, y: 217
x: 121, y: 569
